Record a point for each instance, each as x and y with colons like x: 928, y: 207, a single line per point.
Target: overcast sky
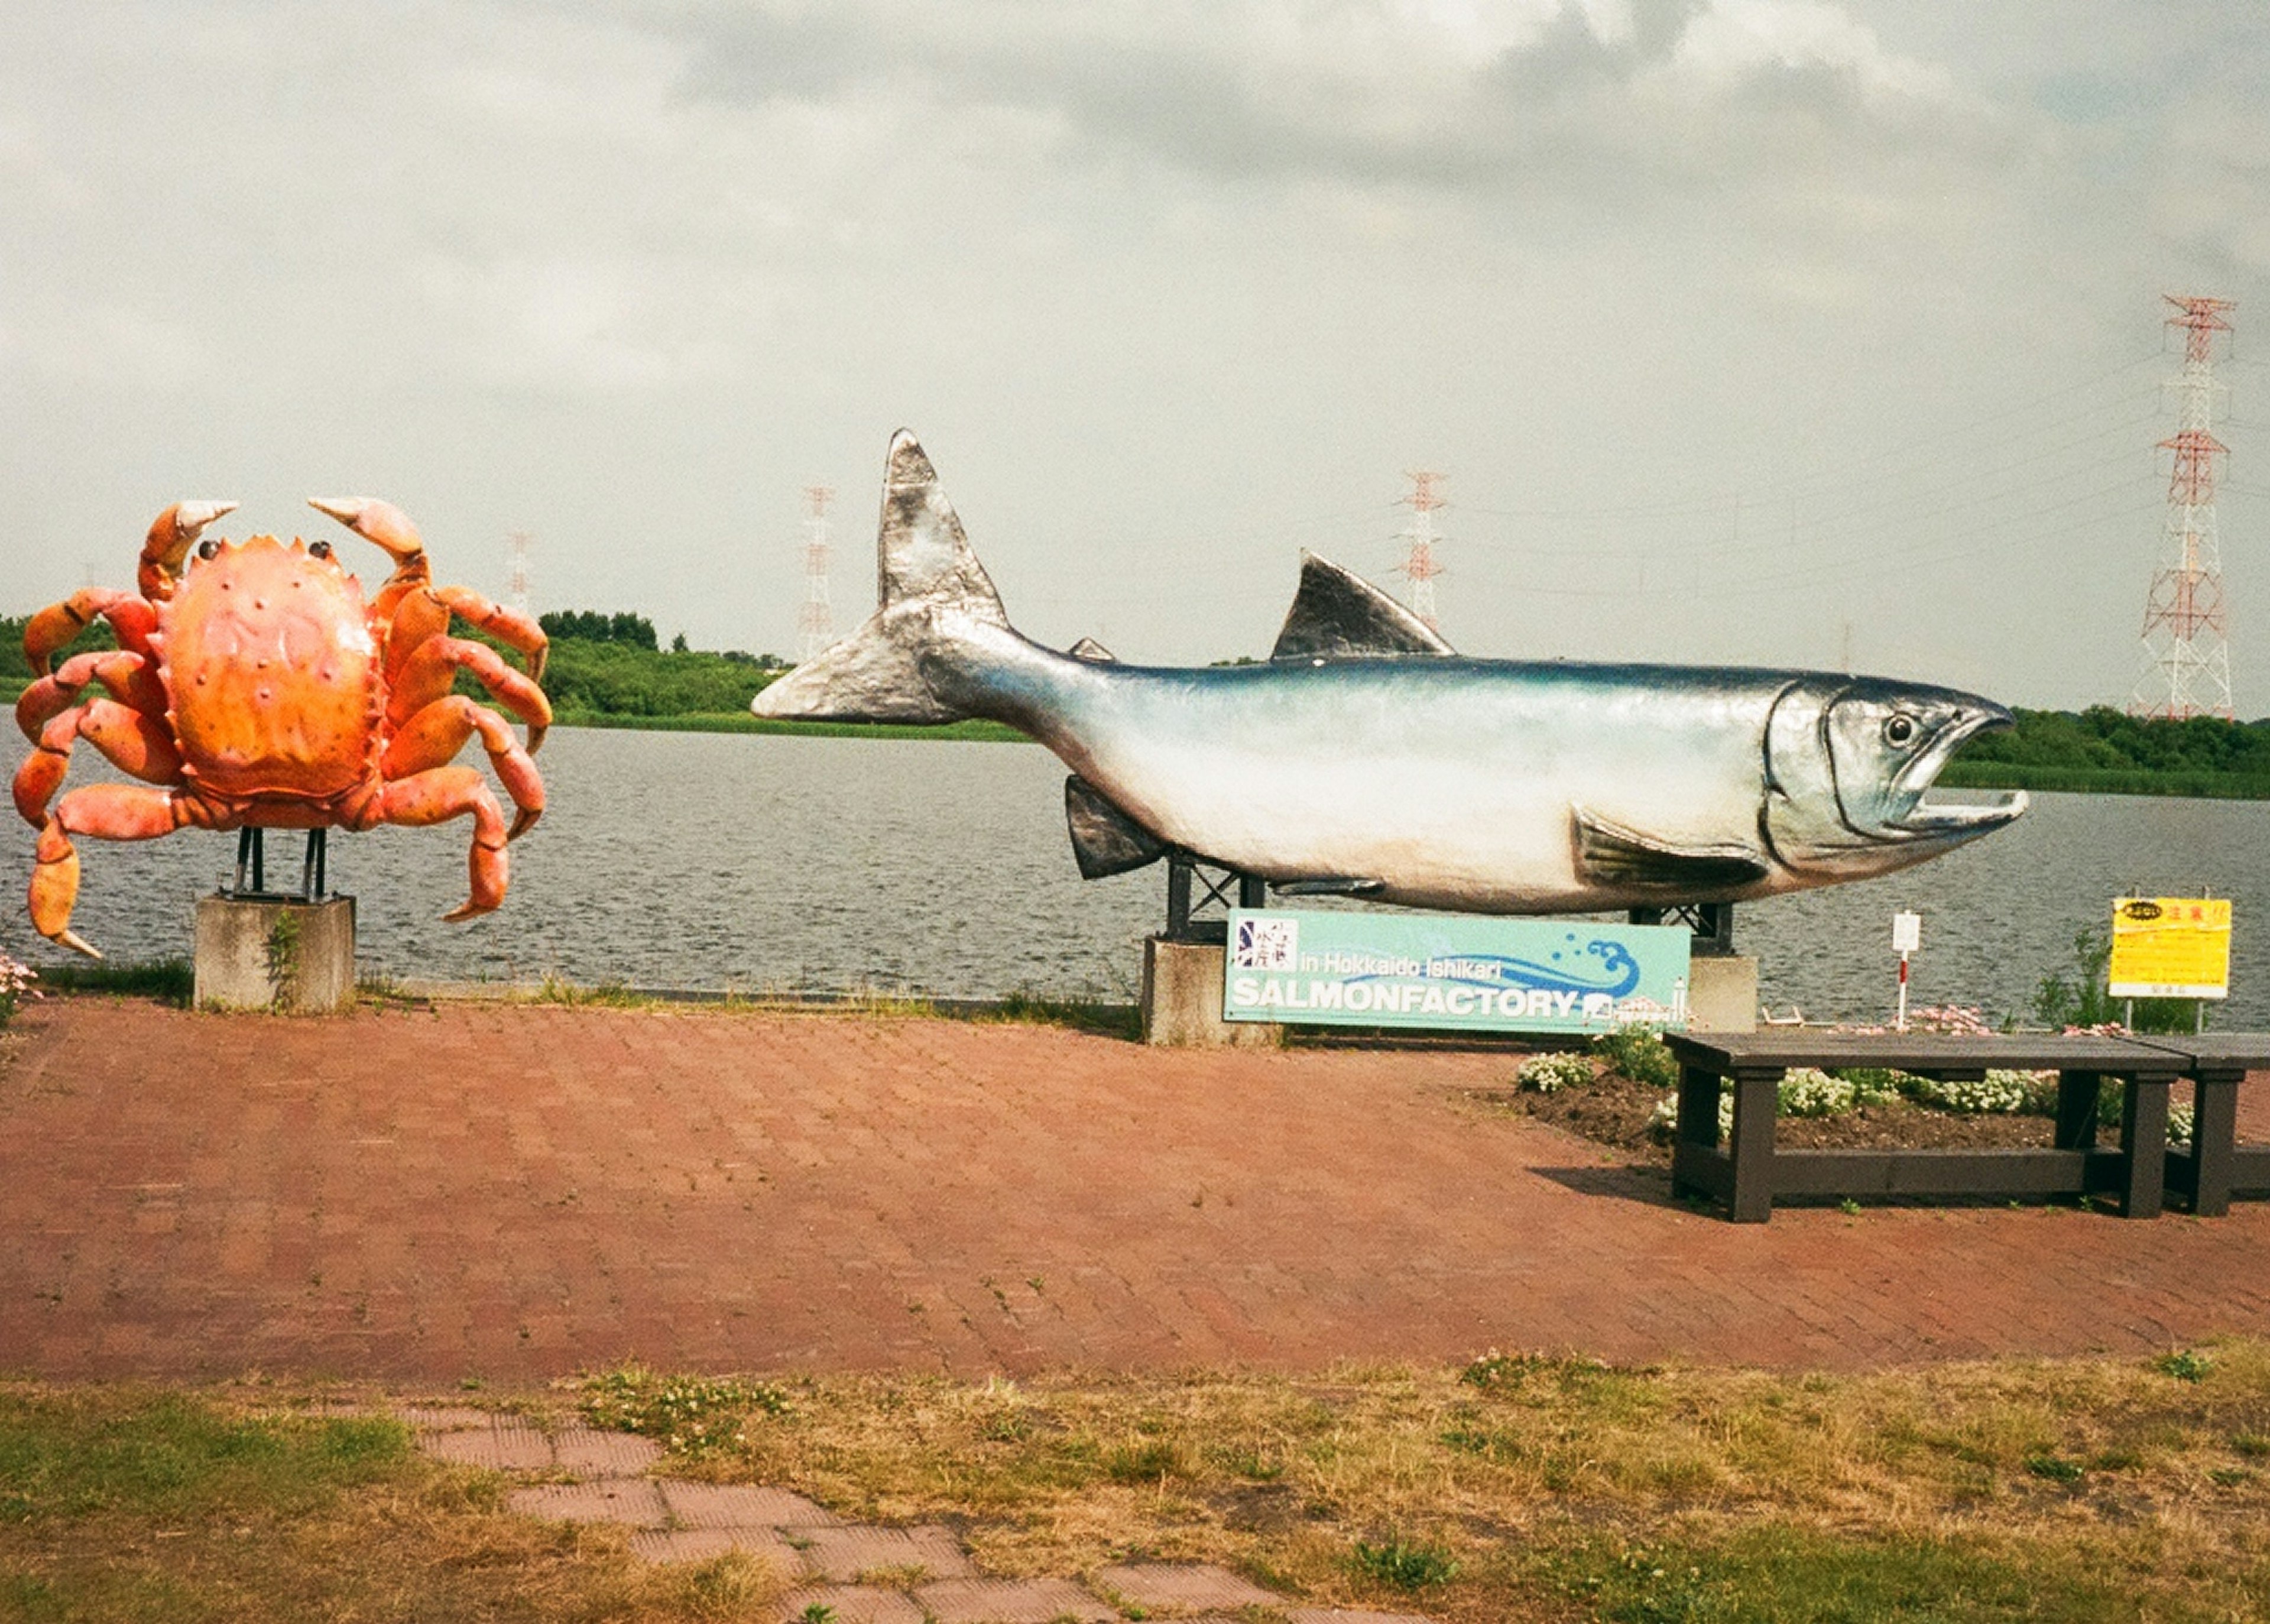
x: 1743, y: 329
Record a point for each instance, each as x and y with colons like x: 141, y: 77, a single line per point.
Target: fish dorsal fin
x: 921, y: 551
x: 1337, y: 614
x: 1094, y: 652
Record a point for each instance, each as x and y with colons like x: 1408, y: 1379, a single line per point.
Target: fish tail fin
x: 926, y: 578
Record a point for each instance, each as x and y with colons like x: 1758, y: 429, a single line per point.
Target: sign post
x: 1907, y: 937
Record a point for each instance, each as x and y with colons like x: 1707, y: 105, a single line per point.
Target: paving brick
x: 699, y: 1545
x: 602, y: 1453
x: 441, y: 1418
x: 849, y: 1604
x: 844, y: 1554
x: 1179, y: 1585
x: 1349, y: 1615
x: 1355, y: 1206
x: 633, y: 1501
x: 507, y: 1447
x: 737, y: 1505
x: 1011, y: 1601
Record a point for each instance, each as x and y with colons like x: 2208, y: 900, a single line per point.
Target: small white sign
x: 1907, y: 932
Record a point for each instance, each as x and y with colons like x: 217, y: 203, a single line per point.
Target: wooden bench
x: 1748, y: 1173
x: 2215, y: 1166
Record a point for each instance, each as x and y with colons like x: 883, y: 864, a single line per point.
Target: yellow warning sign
x: 2170, y: 947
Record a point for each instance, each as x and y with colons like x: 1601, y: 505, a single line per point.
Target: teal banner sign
x: 1453, y: 970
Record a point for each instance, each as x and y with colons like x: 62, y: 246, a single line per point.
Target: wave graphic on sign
x: 1618, y: 973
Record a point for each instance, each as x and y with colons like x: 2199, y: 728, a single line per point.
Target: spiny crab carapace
x: 252, y: 687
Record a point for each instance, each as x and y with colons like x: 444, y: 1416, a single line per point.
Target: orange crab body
x: 254, y: 687
x: 273, y: 676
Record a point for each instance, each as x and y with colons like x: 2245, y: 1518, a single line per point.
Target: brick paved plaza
x: 518, y: 1192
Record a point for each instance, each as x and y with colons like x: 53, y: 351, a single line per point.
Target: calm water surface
x: 714, y: 860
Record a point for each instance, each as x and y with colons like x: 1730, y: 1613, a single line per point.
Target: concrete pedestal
x: 1182, y: 1000
x: 1722, y: 994
x: 297, y: 956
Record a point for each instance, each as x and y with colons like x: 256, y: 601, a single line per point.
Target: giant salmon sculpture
x: 1368, y: 759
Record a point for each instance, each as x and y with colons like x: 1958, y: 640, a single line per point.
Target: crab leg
x: 138, y: 744
x: 164, y: 551
x: 127, y: 675
x: 107, y: 811
x: 53, y: 629
x: 507, y: 625
x: 387, y: 525
x: 428, y: 673
x: 435, y: 734
x: 446, y: 792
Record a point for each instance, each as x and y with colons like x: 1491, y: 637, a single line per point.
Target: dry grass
x: 2127, y: 1490
x: 1516, y: 1487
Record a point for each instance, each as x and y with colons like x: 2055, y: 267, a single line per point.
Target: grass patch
x: 740, y: 721
x: 1806, y: 1575
x: 692, y: 1416
x: 1111, y: 1018
x: 172, y: 980
x: 1516, y: 1486
x: 1525, y: 1485
x: 124, y: 1505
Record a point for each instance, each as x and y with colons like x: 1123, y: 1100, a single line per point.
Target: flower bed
x: 1624, y: 1104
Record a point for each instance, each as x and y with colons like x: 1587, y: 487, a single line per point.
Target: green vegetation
x: 173, y: 981
x: 2105, y: 751
x: 132, y: 1507
x: 2081, y: 998
x: 610, y: 669
x: 691, y: 1416
x: 1520, y: 1486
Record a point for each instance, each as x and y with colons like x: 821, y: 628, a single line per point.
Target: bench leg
x: 2144, y: 1147
x: 2076, y: 1110
x: 1698, y: 1121
x: 2214, y: 1136
x: 1757, y: 1098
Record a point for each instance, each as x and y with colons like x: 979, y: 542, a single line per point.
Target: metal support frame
x: 1192, y: 887
x: 250, y: 884
x: 1712, y: 923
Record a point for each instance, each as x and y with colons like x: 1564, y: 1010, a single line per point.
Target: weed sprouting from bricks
x: 688, y: 1415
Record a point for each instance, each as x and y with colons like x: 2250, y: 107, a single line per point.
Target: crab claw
x: 373, y: 519
x: 172, y: 534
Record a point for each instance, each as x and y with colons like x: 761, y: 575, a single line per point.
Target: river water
x: 722, y: 860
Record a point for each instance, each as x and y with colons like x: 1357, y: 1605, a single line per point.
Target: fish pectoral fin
x: 1094, y: 652
x: 1328, y: 886
x: 1105, y: 840
x: 1612, y: 855
x: 1337, y: 614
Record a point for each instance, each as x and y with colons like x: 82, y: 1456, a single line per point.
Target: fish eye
x: 208, y: 549
x: 319, y: 549
x: 1899, y: 730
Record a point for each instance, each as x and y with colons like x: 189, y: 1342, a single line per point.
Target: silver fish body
x: 1365, y: 758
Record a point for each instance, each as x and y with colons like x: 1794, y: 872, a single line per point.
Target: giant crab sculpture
x: 252, y: 687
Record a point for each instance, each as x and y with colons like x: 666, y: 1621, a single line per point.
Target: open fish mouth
x: 1926, y: 819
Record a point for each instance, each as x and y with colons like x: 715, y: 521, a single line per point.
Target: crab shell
x: 273, y: 679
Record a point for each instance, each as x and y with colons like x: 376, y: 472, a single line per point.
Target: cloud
x: 1456, y: 94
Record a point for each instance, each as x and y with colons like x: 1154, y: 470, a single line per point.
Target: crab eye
x: 319, y: 549
x: 1899, y: 730
x: 209, y: 549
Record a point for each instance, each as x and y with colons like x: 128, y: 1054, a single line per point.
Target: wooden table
x: 1747, y: 1173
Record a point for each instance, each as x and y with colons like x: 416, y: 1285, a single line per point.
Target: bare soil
x: 1620, y: 1113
